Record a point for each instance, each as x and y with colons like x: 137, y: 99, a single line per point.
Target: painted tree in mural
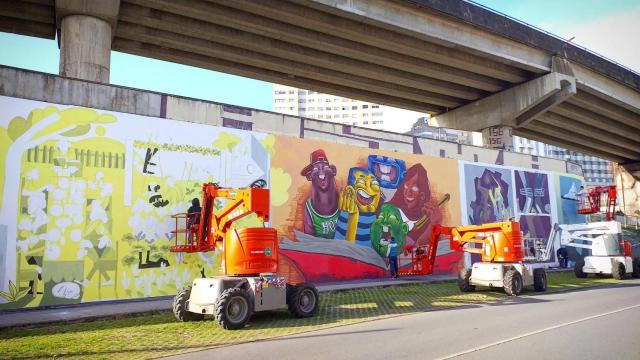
x: 40, y: 126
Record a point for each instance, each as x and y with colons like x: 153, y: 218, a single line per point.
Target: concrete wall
x: 55, y: 89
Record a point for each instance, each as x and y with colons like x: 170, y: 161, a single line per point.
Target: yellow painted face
x: 367, y: 191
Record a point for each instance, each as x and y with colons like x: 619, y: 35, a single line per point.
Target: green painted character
x: 388, y: 223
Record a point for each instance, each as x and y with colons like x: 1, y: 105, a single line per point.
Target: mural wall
x: 87, y: 196
x: 343, y: 200
x: 86, y: 199
x: 537, y: 199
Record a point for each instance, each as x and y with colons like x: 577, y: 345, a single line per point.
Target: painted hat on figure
x: 317, y: 156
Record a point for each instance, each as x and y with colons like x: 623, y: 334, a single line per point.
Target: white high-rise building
x: 314, y: 105
x: 596, y: 171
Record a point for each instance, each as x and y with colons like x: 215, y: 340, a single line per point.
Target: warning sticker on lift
x: 266, y: 252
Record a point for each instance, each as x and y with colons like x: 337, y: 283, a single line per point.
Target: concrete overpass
x: 470, y: 67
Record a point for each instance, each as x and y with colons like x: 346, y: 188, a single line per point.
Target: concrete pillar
x: 498, y: 137
x: 514, y: 107
x: 85, y: 48
x: 628, y: 188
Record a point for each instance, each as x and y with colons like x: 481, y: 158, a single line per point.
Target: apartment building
x: 314, y: 105
x: 596, y: 171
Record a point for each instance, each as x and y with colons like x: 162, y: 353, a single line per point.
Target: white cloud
x: 400, y: 120
x: 614, y: 36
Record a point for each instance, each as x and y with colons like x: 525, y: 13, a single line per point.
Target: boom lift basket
x: 186, y: 235
x: 597, y: 198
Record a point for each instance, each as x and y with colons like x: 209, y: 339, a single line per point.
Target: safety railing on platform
x: 535, y: 249
x: 629, y: 221
x: 186, y: 234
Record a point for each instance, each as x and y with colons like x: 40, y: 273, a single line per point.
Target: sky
x: 608, y: 27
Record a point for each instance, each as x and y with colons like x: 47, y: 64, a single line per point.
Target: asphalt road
x: 598, y: 323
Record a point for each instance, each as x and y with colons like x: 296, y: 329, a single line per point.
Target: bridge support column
x: 514, y: 107
x: 498, y: 115
x: 85, y: 48
x: 627, y: 178
x: 86, y: 29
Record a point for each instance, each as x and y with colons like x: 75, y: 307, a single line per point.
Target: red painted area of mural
x: 322, y: 268
x: 289, y: 269
x: 448, y: 264
x: 319, y: 268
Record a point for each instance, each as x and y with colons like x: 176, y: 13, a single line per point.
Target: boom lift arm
x: 214, y: 225
x: 501, y: 242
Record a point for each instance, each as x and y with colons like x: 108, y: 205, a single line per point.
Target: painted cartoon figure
x: 358, y: 204
x: 419, y: 210
x: 388, y: 223
x: 321, y: 208
x: 389, y: 171
x: 492, y: 199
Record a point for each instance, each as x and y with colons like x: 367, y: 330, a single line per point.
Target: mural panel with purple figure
x: 532, y: 191
x: 488, y: 197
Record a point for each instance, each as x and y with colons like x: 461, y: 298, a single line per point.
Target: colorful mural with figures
x: 87, y: 197
x: 534, y: 209
x: 344, y: 201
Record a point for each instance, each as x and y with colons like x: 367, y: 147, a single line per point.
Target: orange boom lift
x: 248, y: 260
x: 500, y: 246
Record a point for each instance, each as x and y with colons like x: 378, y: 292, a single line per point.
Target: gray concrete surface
x: 507, y: 107
x: 85, y: 48
x: 25, y: 317
x: 596, y: 323
x: 86, y: 30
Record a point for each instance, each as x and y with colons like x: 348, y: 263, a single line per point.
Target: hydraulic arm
x: 213, y: 226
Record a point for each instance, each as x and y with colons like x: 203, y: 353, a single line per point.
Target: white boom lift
x: 610, y: 254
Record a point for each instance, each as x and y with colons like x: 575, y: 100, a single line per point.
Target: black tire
x: 464, y: 281
x: 636, y: 268
x: 233, y: 308
x: 618, y: 270
x: 540, y: 280
x: 303, y: 300
x: 577, y: 269
x: 512, y: 282
x: 180, y: 307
